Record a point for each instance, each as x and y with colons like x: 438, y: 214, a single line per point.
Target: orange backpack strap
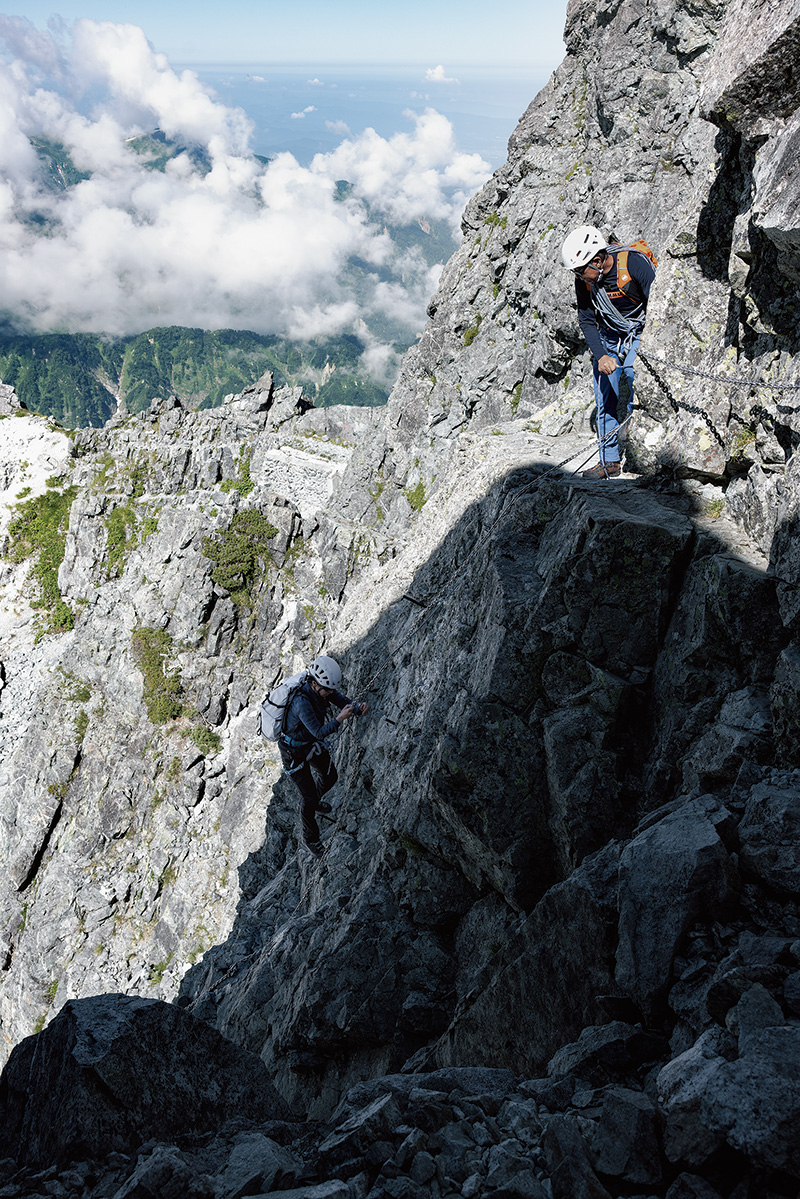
x: 624, y: 278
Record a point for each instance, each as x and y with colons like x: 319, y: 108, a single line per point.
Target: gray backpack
x: 276, y: 705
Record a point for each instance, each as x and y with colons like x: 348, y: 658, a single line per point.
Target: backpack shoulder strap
x: 623, y: 274
x: 627, y: 286
x: 288, y: 704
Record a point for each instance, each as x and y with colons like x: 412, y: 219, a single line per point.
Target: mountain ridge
x: 81, y: 379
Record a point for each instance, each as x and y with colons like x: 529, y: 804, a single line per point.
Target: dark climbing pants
x: 319, y: 764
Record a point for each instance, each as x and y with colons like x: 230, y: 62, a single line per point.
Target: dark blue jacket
x: 642, y: 274
x: 305, y: 720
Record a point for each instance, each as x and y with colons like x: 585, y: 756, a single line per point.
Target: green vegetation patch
x: 68, y: 376
x: 77, y: 690
x: 162, y: 687
x: 742, y: 443
x: 244, y: 484
x: 59, y: 171
x: 158, y: 968
x: 40, y: 529
x: 206, y: 740
x: 471, y: 333
x: 416, y: 496
x: 77, y: 378
x: 241, y: 552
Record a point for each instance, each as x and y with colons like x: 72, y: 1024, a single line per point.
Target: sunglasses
x: 594, y: 265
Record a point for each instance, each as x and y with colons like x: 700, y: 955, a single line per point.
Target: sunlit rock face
x: 553, y: 947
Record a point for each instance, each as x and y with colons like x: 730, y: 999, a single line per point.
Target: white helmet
x: 581, y: 246
x: 325, y: 671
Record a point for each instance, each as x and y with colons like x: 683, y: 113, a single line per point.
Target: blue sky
x: 518, y: 32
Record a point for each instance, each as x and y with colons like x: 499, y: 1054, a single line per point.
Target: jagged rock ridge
x: 564, y: 843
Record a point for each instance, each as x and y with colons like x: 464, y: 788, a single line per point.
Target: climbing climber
x: 302, y: 741
x: 612, y: 286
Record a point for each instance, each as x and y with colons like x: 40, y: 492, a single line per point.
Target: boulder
x: 624, y: 1141
x: 607, y: 1051
x: 681, y: 1086
x: 785, y: 703
x: 546, y: 980
x: 691, y: 1186
x: 674, y: 871
x: 770, y: 835
x: 754, y: 1102
x: 111, y: 1072
x: 165, y: 1174
x: 571, y: 1173
x: 256, y: 1164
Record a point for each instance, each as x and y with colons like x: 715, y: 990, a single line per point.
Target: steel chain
x: 691, y: 370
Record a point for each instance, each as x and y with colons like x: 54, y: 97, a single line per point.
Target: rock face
x: 553, y: 948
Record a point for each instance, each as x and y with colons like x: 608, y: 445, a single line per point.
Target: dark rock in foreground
x: 114, y: 1071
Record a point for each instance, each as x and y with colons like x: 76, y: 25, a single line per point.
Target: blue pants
x: 606, y: 393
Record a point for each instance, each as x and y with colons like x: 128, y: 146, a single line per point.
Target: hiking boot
x: 315, y: 847
x: 324, y: 807
x: 603, y: 470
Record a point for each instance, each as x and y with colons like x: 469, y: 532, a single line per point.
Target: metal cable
x: 691, y: 370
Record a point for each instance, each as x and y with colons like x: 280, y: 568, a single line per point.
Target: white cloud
x: 380, y: 362
x: 299, y: 116
x: 338, y: 127
x: 315, y: 82
x: 322, y: 320
x: 232, y: 243
x: 409, y: 176
x: 437, y: 75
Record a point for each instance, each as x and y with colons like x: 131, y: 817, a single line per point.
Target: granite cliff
x: 553, y: 948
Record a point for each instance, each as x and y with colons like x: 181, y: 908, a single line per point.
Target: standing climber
x: 612, y: 286
x: 302, y: 741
